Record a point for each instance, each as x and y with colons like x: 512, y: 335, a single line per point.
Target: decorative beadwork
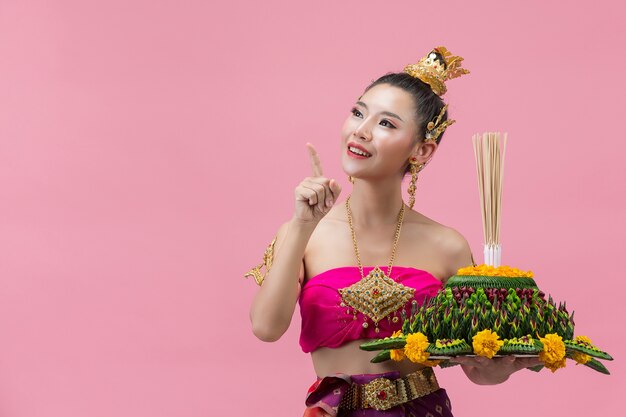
x: 379, y: 392
x: 376, y: 296
x: 384, y: 393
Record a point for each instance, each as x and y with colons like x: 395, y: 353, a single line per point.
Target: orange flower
x: 415, y: 348
x: 491, y: 271
x: 486, y: 343
x: 397, y: 354
x: 581, y: 358
x: 553, y: 353
x: 583, y: 339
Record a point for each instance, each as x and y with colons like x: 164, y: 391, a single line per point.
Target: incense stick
x: 489, y: 152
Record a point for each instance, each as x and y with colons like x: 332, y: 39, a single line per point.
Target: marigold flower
x: 415, y: 348
x: 486, y: 343
x: 553, y: 366
x: 491, y: 271
x: 581, y: 358
x: 583, y: 339
x: 553, y: 353
x: 397, y: 354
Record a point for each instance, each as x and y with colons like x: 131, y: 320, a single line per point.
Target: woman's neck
x: 376, y: 203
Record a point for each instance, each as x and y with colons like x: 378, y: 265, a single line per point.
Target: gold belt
x: 384, y: 393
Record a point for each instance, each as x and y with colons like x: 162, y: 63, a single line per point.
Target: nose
x: 363, y: 131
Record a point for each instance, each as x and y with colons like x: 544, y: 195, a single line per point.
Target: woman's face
x: 382, y: 122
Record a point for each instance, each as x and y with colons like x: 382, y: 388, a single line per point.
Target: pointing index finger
x: 315, y: 161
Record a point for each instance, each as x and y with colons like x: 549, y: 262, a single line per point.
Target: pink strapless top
x: 326, y: 323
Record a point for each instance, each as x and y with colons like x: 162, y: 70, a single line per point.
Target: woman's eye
x: 357, y: 113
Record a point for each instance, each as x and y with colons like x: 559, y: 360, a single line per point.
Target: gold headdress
x: 434, y: 129
x: 435, y: 69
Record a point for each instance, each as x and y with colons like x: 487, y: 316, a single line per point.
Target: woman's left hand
x: 484, y: 371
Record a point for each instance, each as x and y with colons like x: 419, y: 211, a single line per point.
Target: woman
x: 335, y: 250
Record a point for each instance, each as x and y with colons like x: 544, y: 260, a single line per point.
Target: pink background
x: 149, y: 151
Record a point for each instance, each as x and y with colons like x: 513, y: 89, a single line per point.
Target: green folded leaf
x: 382, y: 356
x: 596, y: 365
x: 379, y: 344
x: 475, y: 281
x: 572, y: 345
x: 449, y: 347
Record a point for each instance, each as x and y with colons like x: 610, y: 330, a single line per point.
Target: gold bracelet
x: 268, y: 257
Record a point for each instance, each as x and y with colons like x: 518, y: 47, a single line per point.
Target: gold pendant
x: 376, y: 295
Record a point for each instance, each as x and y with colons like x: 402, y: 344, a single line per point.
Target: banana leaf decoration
x: 469, y: 305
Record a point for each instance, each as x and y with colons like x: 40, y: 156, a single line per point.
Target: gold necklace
x: 377, y: 295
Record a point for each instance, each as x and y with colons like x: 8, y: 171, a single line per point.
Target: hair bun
x: 437, y: 67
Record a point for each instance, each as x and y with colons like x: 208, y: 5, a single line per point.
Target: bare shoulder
x: 451, y: 248
x: 456, y: 249
x: 425, y: 244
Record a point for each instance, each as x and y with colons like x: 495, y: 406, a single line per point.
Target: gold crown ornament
x: 434, y: 129
x: 436, y: 68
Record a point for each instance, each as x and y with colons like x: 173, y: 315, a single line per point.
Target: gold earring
x: 415, y: 168
x: 351, y: 179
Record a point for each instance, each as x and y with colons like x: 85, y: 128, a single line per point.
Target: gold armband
x: 267, y: 262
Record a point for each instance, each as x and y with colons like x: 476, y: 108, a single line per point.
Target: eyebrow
x: 386, y: 113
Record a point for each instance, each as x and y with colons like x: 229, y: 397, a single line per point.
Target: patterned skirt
x: 324, y: 397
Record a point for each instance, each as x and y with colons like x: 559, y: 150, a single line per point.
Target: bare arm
x: 273, y: 306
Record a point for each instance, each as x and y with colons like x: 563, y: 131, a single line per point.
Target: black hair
x: 427, y: 103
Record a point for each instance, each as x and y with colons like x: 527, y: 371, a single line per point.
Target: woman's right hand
x: 315, y: 195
